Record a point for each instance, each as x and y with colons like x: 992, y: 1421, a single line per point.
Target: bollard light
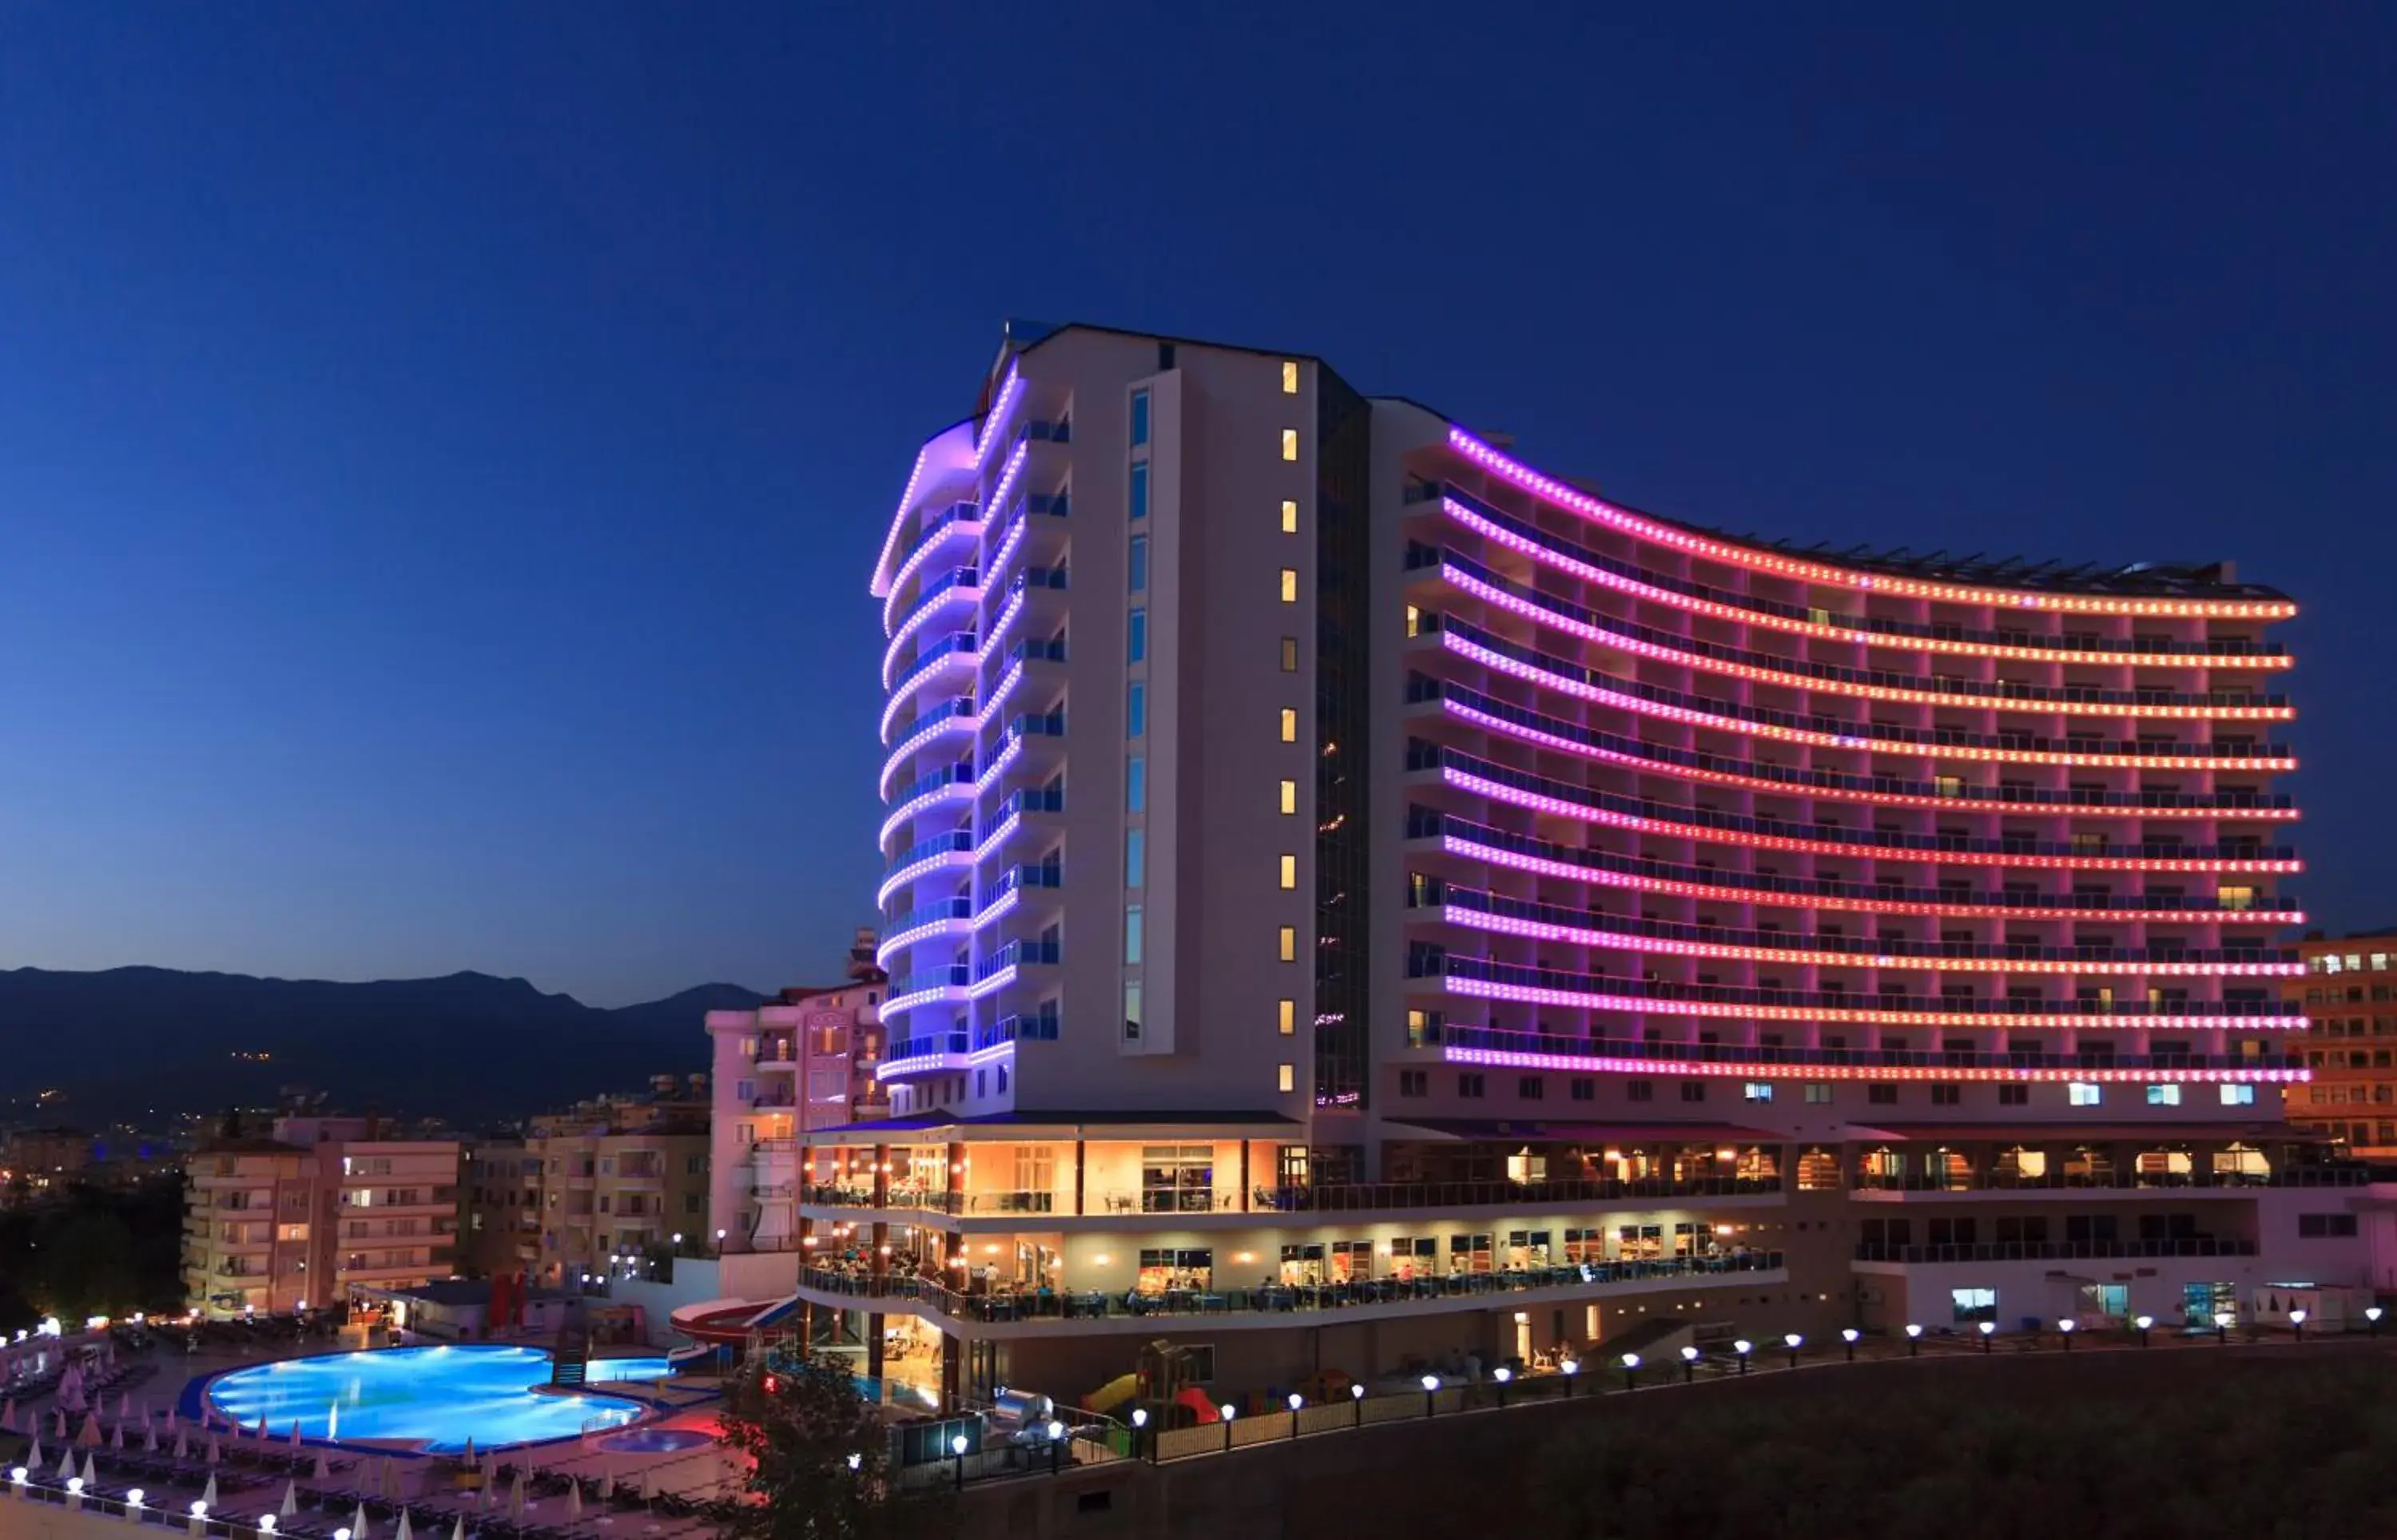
x: 1139, y: 1430
x: 1569, y: 1368
x: 1989, y: 1330
x: 133, y: 1498
x: 1356, y: 1397
x: 2146, y: 1324
x: 1743, y: 1347
x: 1849, y: 1335
x: 266, y: 1523
x: 1056, y: 1446
x: 856, y: 1461
x: 1630, y: 1371
x: 17, y: 1477
x: 1504, y: 1375
x: 1913, y: 1339
x: 2222, y: 1327
x: 1689, y: 1365
x: 199, y: 1509
x: 958, y: 1448
x: 74, y: 1486
x: 1431, y: 1391
x: 2298, y: 1324
x: 342, y: 1534
x: 1793, y: 1342
x: 2372, y: 1318
x: 2064, y: 1329
x: 1229, y: 1412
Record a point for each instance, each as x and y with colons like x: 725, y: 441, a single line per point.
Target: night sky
x: 442, y: 446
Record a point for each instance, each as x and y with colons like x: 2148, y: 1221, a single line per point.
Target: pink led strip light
x: 1759, y: 783
x: 1527, y: 994
x: 1608, y: 1064
x: 1465, y: 780
x: 1860, y: 743
x: 1576, y: 501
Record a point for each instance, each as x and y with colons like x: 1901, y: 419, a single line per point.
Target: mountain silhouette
x: 139, y: 1043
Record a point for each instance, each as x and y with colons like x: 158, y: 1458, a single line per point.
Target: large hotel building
x: 1351, y: 895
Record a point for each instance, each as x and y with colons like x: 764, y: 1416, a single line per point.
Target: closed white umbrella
x: 387, y: 1479
x: 291, y: 1499
x: 574, y: 1500
x: 123, y: 1403
x: 182, y: 1444
x: 150, y: 1437
x: 358, y: 1524
x: 458, y: 1530
x: 401, y: 1532
x: 34, y: 1455
x: 294, y: 1432
x: 116, y: 1435
x: 66, y: 1463
x: 216, y: 1451
x: 90, y: 1474
x: 209, y: 1495
x: 90, y: 1437
x: 58, y: 1421
x: 516, y: 1497
x: 172, y: 1422
x: 470, y: 1451
x: 324, y: 1471
x: 8, y: 1416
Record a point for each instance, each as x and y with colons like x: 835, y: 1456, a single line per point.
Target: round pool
x: 432, y: 1399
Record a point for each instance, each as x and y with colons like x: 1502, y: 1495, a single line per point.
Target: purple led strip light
x: 923, y: 551
x: 1527, y: 994
x: 1508, y: 1058
x: 993, y: 427
x: 917, y: 679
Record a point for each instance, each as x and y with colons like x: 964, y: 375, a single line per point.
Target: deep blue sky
x: 442, y: 445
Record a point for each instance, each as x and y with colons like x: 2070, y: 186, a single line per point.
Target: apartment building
x: 2351, y: 1032
x: 1351, y: 894
x: 806, y: 1060
x: 617, y: 1178
x: 320, y: 1204
x: 499, y: 1213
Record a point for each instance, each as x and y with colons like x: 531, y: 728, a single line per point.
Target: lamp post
x: 2146, y: 1324
x: 2372, y: 1318
x: 1913, y: 1339
x: 1689, y: 1365
x: 2064, y: 1329
x: 1139, y: 1428
x: 1056, y: 1446
x: 1569, y: 1368
x: 1849, y: 1335
x: 1229, y: 1413
x: 1504, y: 1376
x: 2222, y: 1327
x: 1989, y: 1335
x: 1431, y: 1389
x: 2298, y: 1324
x: 1743, y: 1347
x: 1631, y: 1370
x: 1793, y: 1342
x: 958, y: 1448
x: 1356, y: 1397
x: 1296, y: 1401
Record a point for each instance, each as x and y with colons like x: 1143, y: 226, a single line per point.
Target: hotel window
x: 1288, y: 944
x: 1414, y: 1082
x: 1582, y: 1088
x: 1137, y: 637
x: 1132, y: 1011
x: 1290, y: 874
x: 2014, y: 1095
x: 1289, y: 797
x: 1290, y: 654
x: 1757, y: 1091
x: 1132, y: 917
x: 2238, y: 1096
x: 2235, y: 897
x: 1470, y: 1084
x: 1290, y: 725
x: 1947, y: 1095
x: 1289, y: 584
x: 1694, y: 1090
x: 1881, y: 1093
x: 1139, y: 419
x: 1414, y: 621
x: 2163, y: 1096
x: 1640, y: 1090
x: 2084, y: 1094
x: 1138, y: 566
x: 1286, y: 1016
x: 1289, y: 377
x: 1531, y: 1087
x: 1290, y: 444
x: 1289, y: 515
x: 1137, y: 503
x: 1135, y: 710
x: 1817, y: 1093
x: 1136, y: 784
x: 1285, y: 1077
x: 1135, y: 857
x: 2317, y: 1226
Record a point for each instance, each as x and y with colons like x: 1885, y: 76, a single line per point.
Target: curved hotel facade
x: 1350, y: 894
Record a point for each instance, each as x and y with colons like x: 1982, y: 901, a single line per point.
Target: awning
x: 1498, y: 1130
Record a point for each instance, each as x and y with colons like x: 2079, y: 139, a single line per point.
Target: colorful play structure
x: 721, y: 1328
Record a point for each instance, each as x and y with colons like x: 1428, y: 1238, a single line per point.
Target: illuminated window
x: 1137, y: 567
x: 2163, y: 1096
x: 1414, y: 621
x: 1135, y: 857
x: 2242, y: 898
x: 1132, y: 1011
x: 1290, y: 444
x: 1290, y: 943
x: 1137, y: 637
x: 1290, y: 654
x: 1289, y: 797
x: 1136, y: 708
x: 2238, y: 1096
x: 1289, y: 377
x: 1286, y: 1016
x: 1139, y: 417
x: 1139, y: 489
x: 1290, y: 874
x: 1132, y: 928
x: 1286, y: 1077
x: 1136, y: 784
x: 1289, y: 515
x: 2084, y: 1094
x: 1290, y: 725
x: 1290, y: 593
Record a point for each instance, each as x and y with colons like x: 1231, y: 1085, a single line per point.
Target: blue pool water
x: 431, y: 1398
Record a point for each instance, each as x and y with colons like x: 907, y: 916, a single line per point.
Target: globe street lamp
x: 2372, y: 1318
x: 2146, y: 1324
x: 1503, y: 1375
x: 1139, y: 1428
x: 2222, y: 1327
x: 1357, y: 1397
x: 1989, y: 1335
x: 1229, y: 1412
x: 1689, y: 1365
x: 2064, y: 1329
x: 2298, y: 1324
x: 1743, y: 1347
x: 1631, y: 1370
x: 1913, y: 1339
x: 1569, y: 1368
x: 958, y: 1448
x: 1793, y: 1342
x: 1849, y: 1335
x: 1056, y: 1446
x: 1431, y: 1389
x: 1296, y: 1401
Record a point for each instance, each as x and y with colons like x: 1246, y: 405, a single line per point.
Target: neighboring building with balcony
x: 616, y: 1178
x: 322, y: 1205
x: 34, y: 1161
x: 2351, y: 1034
x: 502, y: 1208
x: 806, y: 1061
x: 1349, y: 895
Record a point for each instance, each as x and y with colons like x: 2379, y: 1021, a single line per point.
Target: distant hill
x: 469, y: 1046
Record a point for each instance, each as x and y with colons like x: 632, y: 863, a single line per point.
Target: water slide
x: 728, y: 1322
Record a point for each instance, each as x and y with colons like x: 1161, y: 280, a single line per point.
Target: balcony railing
x: 1999, y: 694
x: 1425, y: 823
x: 1422, y: 689
x: 1866, y: 735
x: 1640, y: 990
x: 2113, y: 1181
x: 1873, y: 625
x: 1344, y: 1197
x: 1777, y: 1054
x: 1859, y: 949
x: 1865, y: 843
x: 1272, y: 1299
x: 2054, y: 1251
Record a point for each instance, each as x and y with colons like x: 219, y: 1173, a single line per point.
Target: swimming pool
x: 432, y: 1399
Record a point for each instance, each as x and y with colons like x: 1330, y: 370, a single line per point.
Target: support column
x: 952, y: 1373
x: 1078, y: 1150
x: 874, y: 1346
x: 881, y: 1175
x: 1246, y: 1186
x: 956, y: 1188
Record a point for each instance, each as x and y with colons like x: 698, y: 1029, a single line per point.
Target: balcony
x: 1488, y: 711
x: 1273, y: 1304
x: 2054, y: 1251
x: 1870, y: 1186
x: 2079, y: 649
x: 1354, y: 1197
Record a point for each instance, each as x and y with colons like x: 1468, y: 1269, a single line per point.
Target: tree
x: 84, y: 1266
x: 820, y: 1459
